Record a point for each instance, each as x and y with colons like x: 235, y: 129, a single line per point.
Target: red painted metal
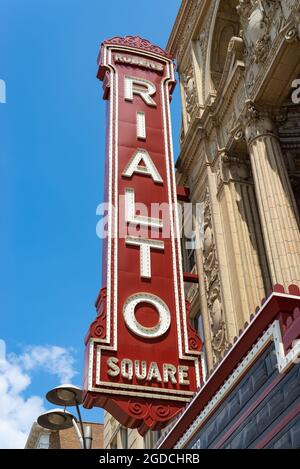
x: 145, y: 404
x: 183, y: 194
x: 190, y: 278
x: 279, y: 305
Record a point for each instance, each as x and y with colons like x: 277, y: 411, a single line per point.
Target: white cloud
x: 18, y: 413
x: 52, y: 359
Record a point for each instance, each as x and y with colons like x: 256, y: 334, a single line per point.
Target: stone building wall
x: 240, y: 141
x: 41, y: 438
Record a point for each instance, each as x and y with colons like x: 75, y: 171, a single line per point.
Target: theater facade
x: 238, y: 63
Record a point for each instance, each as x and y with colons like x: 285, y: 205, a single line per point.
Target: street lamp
x: 66, y: 395
x: 56, y: 419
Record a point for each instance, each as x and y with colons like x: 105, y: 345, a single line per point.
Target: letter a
x: 148, y: 168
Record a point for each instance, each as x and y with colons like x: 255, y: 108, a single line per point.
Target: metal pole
x: 88, y: 437
x: 81, y: 425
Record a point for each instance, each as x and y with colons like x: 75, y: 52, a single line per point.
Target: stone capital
x: 231, y: 168
x: 257, y: 123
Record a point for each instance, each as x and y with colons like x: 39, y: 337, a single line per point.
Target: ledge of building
x: 280, y: 305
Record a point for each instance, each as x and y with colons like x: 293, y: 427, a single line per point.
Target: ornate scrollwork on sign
x: 213, y: 288
x: 97, y: 329
x: 189, y: 85
x: 147, y: 413
x: 138, y: 42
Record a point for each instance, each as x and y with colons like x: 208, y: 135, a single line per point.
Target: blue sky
x: 51, y: 170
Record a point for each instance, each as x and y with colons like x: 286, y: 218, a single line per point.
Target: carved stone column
x: 203, y: 299
x: 277, y: 207
x: 244, y: 247
x: 221, y: 327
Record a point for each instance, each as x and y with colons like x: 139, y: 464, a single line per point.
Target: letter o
x: 146, y: 332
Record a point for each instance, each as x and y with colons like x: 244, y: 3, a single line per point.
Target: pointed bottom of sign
x: 135, y: 413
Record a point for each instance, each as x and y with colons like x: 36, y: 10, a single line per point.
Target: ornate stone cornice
x: 287, y: 34
x: 188, y: 16
x: 214, y: 113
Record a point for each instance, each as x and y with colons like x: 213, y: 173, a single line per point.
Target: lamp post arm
x: 80, y: 438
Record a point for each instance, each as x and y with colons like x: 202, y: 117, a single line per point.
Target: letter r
x: 141, y: 87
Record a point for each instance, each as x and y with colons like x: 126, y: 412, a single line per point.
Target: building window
x: 188, y: 238
x: 43, y: 441
x: 188, y: 253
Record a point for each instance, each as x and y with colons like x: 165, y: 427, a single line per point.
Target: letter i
x: 140, y: 125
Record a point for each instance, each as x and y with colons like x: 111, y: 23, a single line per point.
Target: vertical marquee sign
x: 142, y: 356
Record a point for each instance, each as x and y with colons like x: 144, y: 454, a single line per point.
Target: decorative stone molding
x: 254, y: 122
x: 190, y: 92
x: 236, y: 46
x: 292, y: 33
x: 218, y: 327
x: 183, y: 28
x: 258, y: 14
x: 258, y: 17
x: 189, y: 147
x: 211, y: 270
x: 203, y: 45
x: 228, y: 124
x: 231, y: 169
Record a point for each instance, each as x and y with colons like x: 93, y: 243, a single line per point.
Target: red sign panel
x: 142, y: 355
